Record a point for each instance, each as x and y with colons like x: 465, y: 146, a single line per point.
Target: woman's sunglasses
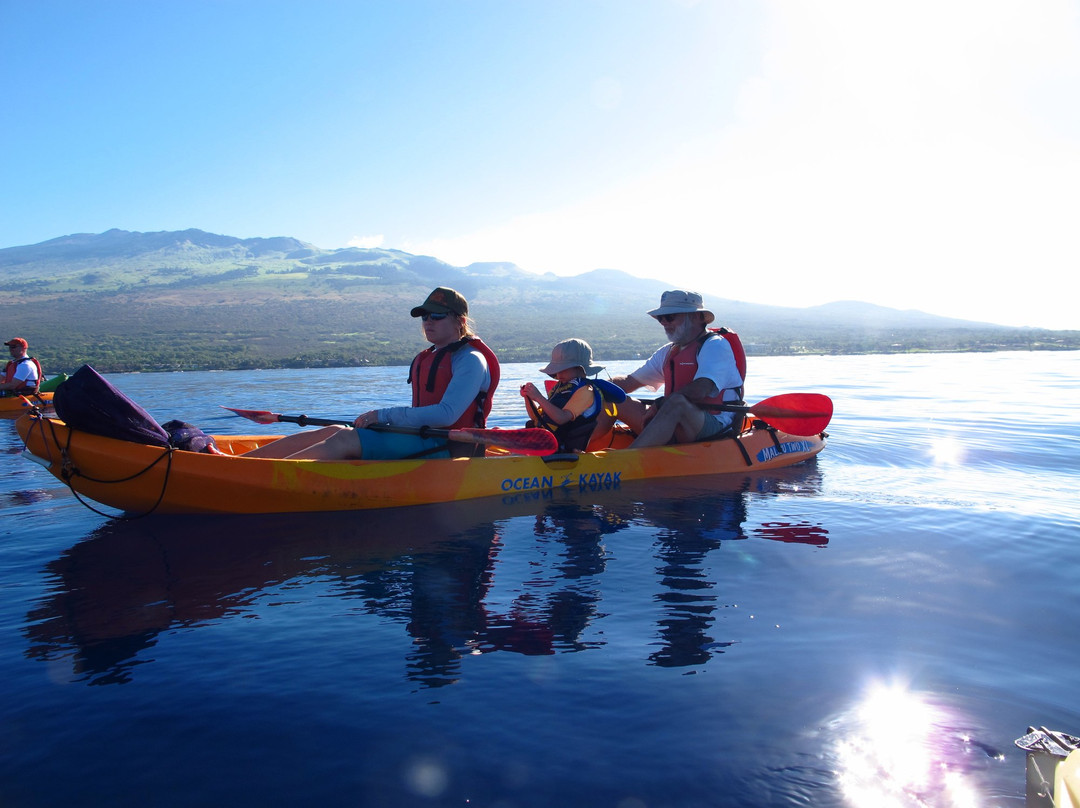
x: 427, y: 315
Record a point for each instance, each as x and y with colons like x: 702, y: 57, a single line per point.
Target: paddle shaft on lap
x: 518, y: 441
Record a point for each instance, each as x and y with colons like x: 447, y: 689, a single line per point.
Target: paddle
x: 801, y: 414
x: 518, y: 441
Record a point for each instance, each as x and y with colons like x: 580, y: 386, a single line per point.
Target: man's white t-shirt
x: 715, y: 362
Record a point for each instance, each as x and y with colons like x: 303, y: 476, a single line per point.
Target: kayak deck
x: 138, y: 478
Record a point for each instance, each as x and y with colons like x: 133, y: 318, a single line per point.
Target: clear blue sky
x: 917, y: 154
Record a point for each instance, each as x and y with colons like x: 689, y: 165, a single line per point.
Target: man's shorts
x: 395, y: 446
x: 715, y: 424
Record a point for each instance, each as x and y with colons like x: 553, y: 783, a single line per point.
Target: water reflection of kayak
x: 115, y: 592
x: 140, y: 478
x: 434, y: 569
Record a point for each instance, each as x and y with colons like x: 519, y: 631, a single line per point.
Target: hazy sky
x: 917, y: 154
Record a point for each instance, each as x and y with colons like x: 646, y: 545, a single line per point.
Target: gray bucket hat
x: 679, y: 302
x: 571, y: 353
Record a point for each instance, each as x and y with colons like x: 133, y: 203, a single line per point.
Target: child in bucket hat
x: 569, y: 354
x: 574, y: 402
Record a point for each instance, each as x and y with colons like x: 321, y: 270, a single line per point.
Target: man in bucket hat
x: 698, y: 371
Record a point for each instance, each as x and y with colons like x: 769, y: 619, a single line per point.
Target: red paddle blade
x: 258, y: 416
x: 520, y: 441
x: 801, y: 414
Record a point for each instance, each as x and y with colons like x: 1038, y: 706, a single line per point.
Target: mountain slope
x: 82, y: 250
x: 123, y: 300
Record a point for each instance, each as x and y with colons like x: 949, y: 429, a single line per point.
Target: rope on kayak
x: 68, y: 471
x: 38, y: 421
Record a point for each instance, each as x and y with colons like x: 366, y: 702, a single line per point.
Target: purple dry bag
x: 87, y: 402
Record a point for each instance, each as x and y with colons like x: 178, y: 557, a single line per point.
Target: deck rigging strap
x: 742, y: 449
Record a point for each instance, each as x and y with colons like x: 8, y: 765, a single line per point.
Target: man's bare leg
x: 677, y: 418
x: 632, y: 413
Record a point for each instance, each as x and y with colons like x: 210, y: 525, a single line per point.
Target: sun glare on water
x: 946, y: 451
x: 896, y: 750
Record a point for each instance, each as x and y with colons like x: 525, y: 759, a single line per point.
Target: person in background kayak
x: 697, y: 368
x: 571, y: 408
x: 22, y: 374
x: 452, y: 385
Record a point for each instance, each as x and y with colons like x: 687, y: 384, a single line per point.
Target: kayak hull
x: 14, y: 406
x: 139, y: 478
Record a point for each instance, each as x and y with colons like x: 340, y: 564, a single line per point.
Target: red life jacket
x: 681, y: 365
x: 9, y: 375
x: 429, y: 376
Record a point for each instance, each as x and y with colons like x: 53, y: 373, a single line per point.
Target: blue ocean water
x: 875, y: 627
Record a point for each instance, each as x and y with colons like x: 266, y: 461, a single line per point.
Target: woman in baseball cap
x: 452, y: 384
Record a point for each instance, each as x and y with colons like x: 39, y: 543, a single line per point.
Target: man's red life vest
x: 430, y: 375
x: 681, y: 365
x: 9, y: 375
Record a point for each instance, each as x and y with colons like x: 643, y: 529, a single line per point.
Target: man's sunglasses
x: 428, y: 315
x: 666, y: 318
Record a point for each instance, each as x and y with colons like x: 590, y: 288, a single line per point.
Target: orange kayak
x: 14, y: 406
x: 138, y: 478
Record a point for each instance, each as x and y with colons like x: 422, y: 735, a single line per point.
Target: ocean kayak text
x: 585, y: 482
